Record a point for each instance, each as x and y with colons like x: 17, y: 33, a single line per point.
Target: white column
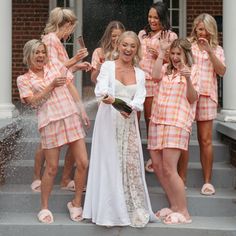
x: 228, y: 113
x: 6, y: 106
x: 79, y: 31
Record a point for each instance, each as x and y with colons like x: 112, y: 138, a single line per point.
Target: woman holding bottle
x: 116, y: 189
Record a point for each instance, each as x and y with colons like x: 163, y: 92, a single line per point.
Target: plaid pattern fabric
x: 147, y: 61
x: 206, y: 70
x: 61, y: 132
x: 151, y: 87
x: 206, y: 109
x: 59, y: 104
x: 56, y: 52
x: 95, y: 58
x: 170, y: 105
x: 166, y: 136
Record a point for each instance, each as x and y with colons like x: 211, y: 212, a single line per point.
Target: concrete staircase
x: 213, y: 215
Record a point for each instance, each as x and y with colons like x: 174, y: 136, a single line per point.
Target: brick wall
x: 28, y: 21
x: 196, y: 7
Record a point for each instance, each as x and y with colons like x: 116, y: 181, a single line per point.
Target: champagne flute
x: 80, y: 41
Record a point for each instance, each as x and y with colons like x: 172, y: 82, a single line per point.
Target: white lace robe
x: 116, y: 190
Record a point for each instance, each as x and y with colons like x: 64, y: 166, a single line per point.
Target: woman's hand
x: 185, y: 71
x: 84, y: 66
x: 81, y: 54
x: 108, y: 99
x: 85, y: 119
x: 125, y: 114
x: 204, y: 44
x: 59, y: 81
x: 165, y: 40
x: 153, y: 52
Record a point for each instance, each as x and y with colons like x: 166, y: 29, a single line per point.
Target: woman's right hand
x: 81, y: 54
x: 108, y: 99
x: 59, y: 81
x: 165, y: 41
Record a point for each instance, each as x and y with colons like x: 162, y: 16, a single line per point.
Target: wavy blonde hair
x: 57, y: 18
x: 211, y: 27
x: 29, y: 49
x: 134, y: 36
x: 105, y: 42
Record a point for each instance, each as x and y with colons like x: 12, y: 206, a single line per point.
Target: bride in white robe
x: 116, y: 190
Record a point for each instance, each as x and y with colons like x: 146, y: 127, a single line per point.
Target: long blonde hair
x: 57, y: 18
x: 133, y: 35
x: 211, y: 27
x: 106, y: 42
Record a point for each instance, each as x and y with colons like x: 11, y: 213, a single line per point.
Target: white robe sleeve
x: 139, y: 97
x: 103, y: 85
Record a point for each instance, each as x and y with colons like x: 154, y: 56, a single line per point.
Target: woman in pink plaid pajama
x: 158, y: 20
x: 44, y: 88
x: 209, y: 57
x: 107, y: 48
x: 171, y: 121
x: 61, y: 24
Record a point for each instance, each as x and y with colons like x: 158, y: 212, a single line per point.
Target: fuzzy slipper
x: 75, y: 212
x: 36, y: 185
x: 148, y: 166
x: 70, y: 186
x: 163, y: 213
x: 43, y: 214
x: 176, y: 218
x: 208, y: 189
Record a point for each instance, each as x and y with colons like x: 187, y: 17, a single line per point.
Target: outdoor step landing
x: 20, y: 198
x: 22, y: 224
x: 223, y: 176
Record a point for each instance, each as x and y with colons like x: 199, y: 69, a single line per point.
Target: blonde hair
x: 185, y: 45
x: 210, y: 25
x: 134, y: 36
x: 58, y: 17
x: 29, y: 49
x: 106, y: 42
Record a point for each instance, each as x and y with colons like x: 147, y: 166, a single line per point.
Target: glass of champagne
x: 80, y: 41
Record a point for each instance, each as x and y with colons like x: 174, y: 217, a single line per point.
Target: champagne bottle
x: 121, y: 105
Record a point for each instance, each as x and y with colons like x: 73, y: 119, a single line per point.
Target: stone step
x: 224, y: 174
x: 26, y: 150
x: 12, y: 224
x: 19, y: 198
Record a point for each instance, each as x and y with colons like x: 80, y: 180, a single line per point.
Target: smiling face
x: 127, y: 49
x: 115, y: 34
x: 154, y: 20
x: 201, y: 31
x: 177, y: 57
x: 38, y: 58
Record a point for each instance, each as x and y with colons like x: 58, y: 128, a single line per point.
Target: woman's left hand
x: 185, y: 71
x: 84, y: 66
x: 85, y: 119
x: 204, y: 44
x: 125, y: 114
